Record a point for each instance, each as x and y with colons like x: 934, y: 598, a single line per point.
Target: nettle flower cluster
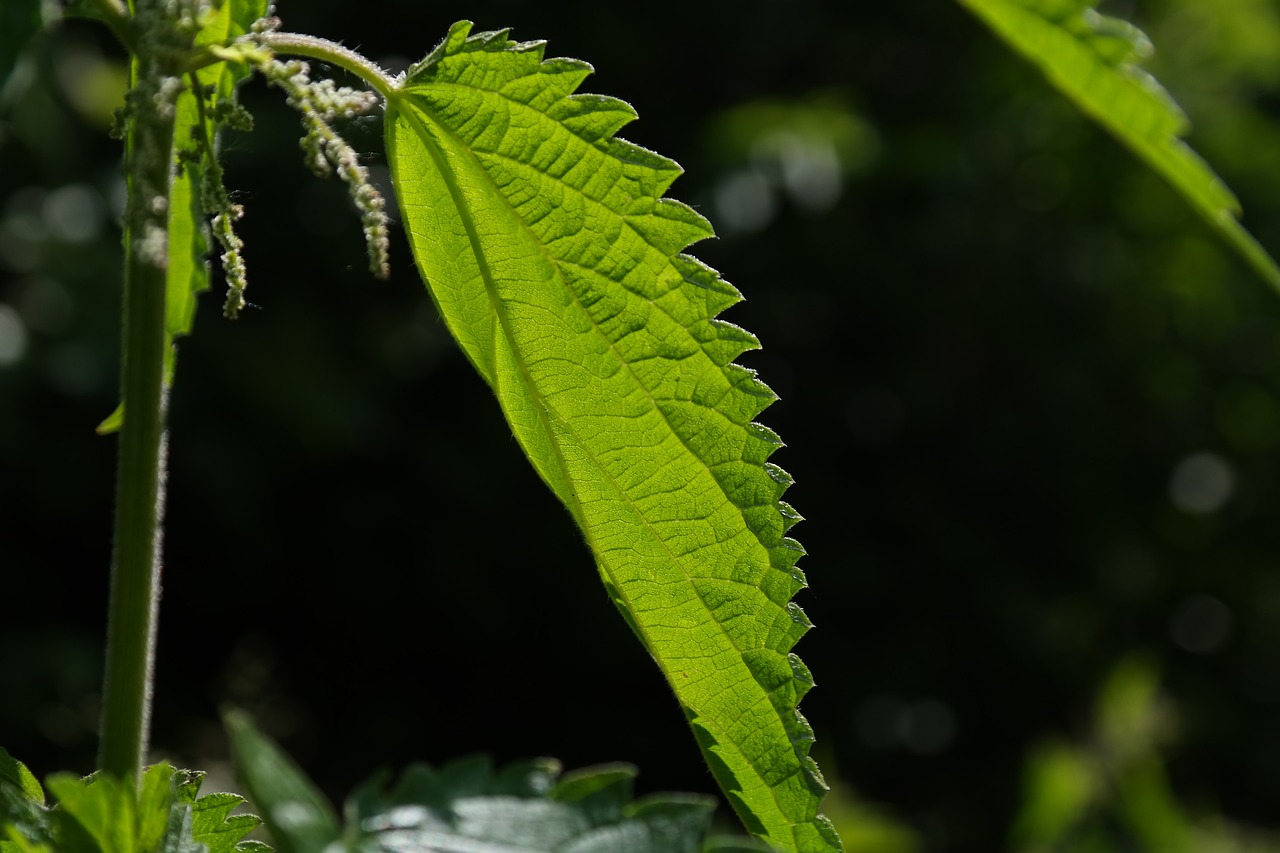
x: 319, y: 103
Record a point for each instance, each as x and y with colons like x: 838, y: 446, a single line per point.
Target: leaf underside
x: 1093, y: 60
x: 559, y: 268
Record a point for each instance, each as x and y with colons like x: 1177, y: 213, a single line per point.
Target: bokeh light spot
x: 13, y: 337
x: 1201, y: 625
x: 1202, y: 483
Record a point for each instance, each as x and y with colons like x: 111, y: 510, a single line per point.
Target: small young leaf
x: 300, y: 819
x: 14, y: 772
x: 94, y: 815
x: 1093, y: 60
x: 24, y: 823
x: 558, y: 266
x: 156, y: 798
x: 217, y: 828
x: 99, y: 815
x: 466, y: 806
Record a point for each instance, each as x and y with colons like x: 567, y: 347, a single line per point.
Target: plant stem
x: 135, y: 570
x: 295, y: 44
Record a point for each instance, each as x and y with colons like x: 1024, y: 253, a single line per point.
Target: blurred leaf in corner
x: 20, y: 20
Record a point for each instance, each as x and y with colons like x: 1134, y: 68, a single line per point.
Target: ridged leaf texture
x: 1094, y: 60
x: 559, y: 267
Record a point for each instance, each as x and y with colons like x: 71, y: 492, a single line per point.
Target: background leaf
x: 14, y: 773
x: 524, y: 808
x: 1093, y: 60
x: 300, y: 819
x: 558, y: 266
x: 20, y: 20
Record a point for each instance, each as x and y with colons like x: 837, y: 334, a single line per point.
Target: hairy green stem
x: 135, y: 570
x: 294, y: 44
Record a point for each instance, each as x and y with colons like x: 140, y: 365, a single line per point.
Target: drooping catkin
x: 318, y: 103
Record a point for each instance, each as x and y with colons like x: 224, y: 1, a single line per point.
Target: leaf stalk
x: 312, y: 47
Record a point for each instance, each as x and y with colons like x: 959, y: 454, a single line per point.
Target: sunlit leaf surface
x: 559, y: 267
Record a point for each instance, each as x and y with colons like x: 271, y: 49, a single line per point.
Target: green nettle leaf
x: 24, y: 824
x: 99, y: 814
x: 559, y: 267
x: 13, y: 772
x: 222, y: 832
x: 299, y: 817
x: 1093, y: 60
x: 210, y: 818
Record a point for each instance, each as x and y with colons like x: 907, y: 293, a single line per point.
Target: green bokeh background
x: 1030, y: 401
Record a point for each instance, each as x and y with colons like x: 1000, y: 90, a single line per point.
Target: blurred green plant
x: 1111, y: 791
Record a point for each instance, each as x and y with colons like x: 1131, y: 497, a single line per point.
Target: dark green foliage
x: 20, y: 20
x: 99, y: 814
x: 468, y: 807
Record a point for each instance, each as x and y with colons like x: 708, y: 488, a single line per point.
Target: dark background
x: 1030, y: 403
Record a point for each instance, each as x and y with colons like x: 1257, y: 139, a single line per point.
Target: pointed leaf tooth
x: 449, y: 44
x: 804, y: 678
x: 746, y: 379
x: 671, y: 226
x: 785, y: 556
x: 593, y: 117
x: 779, y: 476
x: 717, y: 293
x: 651, y: 174
x: 790, y: 518
x: 555, y: 81
x: 723, y: 341
x: 499, y: 40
